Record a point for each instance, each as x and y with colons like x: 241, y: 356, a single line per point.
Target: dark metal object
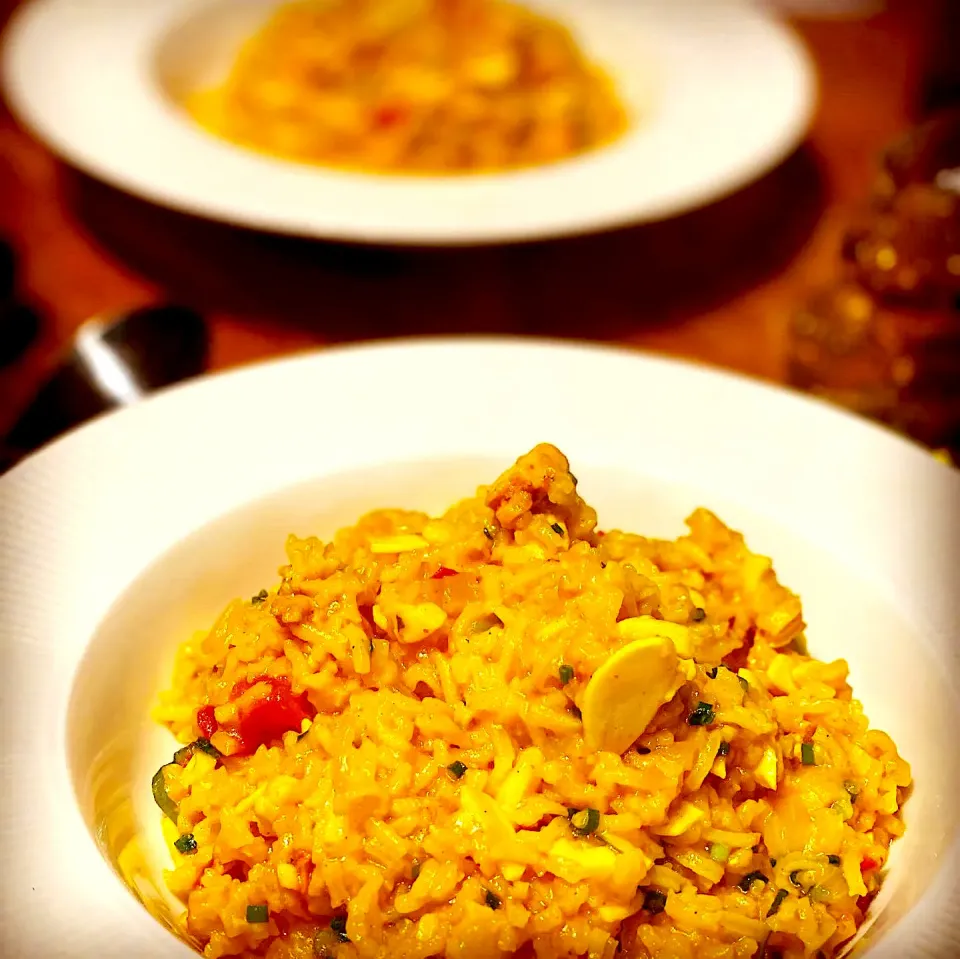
x: 111, y: 364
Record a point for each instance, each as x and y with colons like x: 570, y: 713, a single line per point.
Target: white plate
x: 722, y: 92
x: 125, y: 535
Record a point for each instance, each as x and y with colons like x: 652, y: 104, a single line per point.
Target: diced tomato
x: 267, y: 719
x: 389, y: 116
x: 206, y: 721
x: 868, y: 863
x: 444, y: 572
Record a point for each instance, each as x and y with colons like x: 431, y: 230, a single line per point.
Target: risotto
x: 503, y: 732
x: 413, y: 86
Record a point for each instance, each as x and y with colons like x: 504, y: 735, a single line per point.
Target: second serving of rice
x: 503, y: 732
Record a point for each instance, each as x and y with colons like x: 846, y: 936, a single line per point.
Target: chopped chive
x: 750, y: 878
x: 719, y: 852
x: 415, y: 870
x: 777, y: 902
x: 488, y: 532
x: 585, y: 822
x: 773, y: 863
x: 557, y: 528
x: 699, y: 614
x: 807, y: 756
x: 338, y: 926
x: 795, y: 879
x: 566, y: 674
x: 457, y: 769
x: 723, y: 749
x: 159, y: 787
x: 654, y: 901
x: 258, y: 914
x: 259, y: 598
x: 643, y: 750
x: 744, y: 684
x: 702, y: 715
x: 492, y: 899
x: 205, y: 746
x: 712, y: 672
x: 833, y: 860
x: 186, y: 844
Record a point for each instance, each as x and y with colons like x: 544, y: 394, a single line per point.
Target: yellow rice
x: 361, y: 820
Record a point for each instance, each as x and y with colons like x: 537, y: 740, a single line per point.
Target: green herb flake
x: 712, y: 672
x: 205, y: 746
x: 807, y: 756
x: 492, y: 899
x: 719, y: 852
x: 338, y: 926
x: 186, y: 844
x: 795, y: 879
x: 744, y: 684
x: 457, y: 769
x: 259, y: 598
x: 654, y: 901
x: 853, y: 790
x: 750, y: 878
x: 699, y: 614
x: 702, y: 715
x: 585, y: 822
x: 777, y: 902
x: 258, y: 914
x: 415, y: 870
x: 566, y: 674
x: 723, y: 749
x: 833, y: 860
x: 488, y: 532
x: 557, y: 528
x: 159, y: 787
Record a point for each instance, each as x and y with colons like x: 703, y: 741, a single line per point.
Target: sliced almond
x: 624, y: 694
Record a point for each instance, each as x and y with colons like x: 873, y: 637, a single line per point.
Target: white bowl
x: 127, y: 534
x: 721, y: 91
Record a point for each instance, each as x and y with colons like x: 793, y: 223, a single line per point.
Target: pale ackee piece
x: 624, y: 694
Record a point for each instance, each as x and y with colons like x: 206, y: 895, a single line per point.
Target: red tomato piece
x: 206, y: 721
x: 868, y: 863
x: 389, y: 116
x: 267, y: 719
x: 444, y: 571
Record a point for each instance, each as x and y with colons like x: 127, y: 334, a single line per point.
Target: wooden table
x: 717, y: 285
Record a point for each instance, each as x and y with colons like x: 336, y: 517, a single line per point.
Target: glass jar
x: 884, y: 339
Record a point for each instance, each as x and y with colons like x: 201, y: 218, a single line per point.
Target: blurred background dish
x: 720, y: 92
x: 413, y: 86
